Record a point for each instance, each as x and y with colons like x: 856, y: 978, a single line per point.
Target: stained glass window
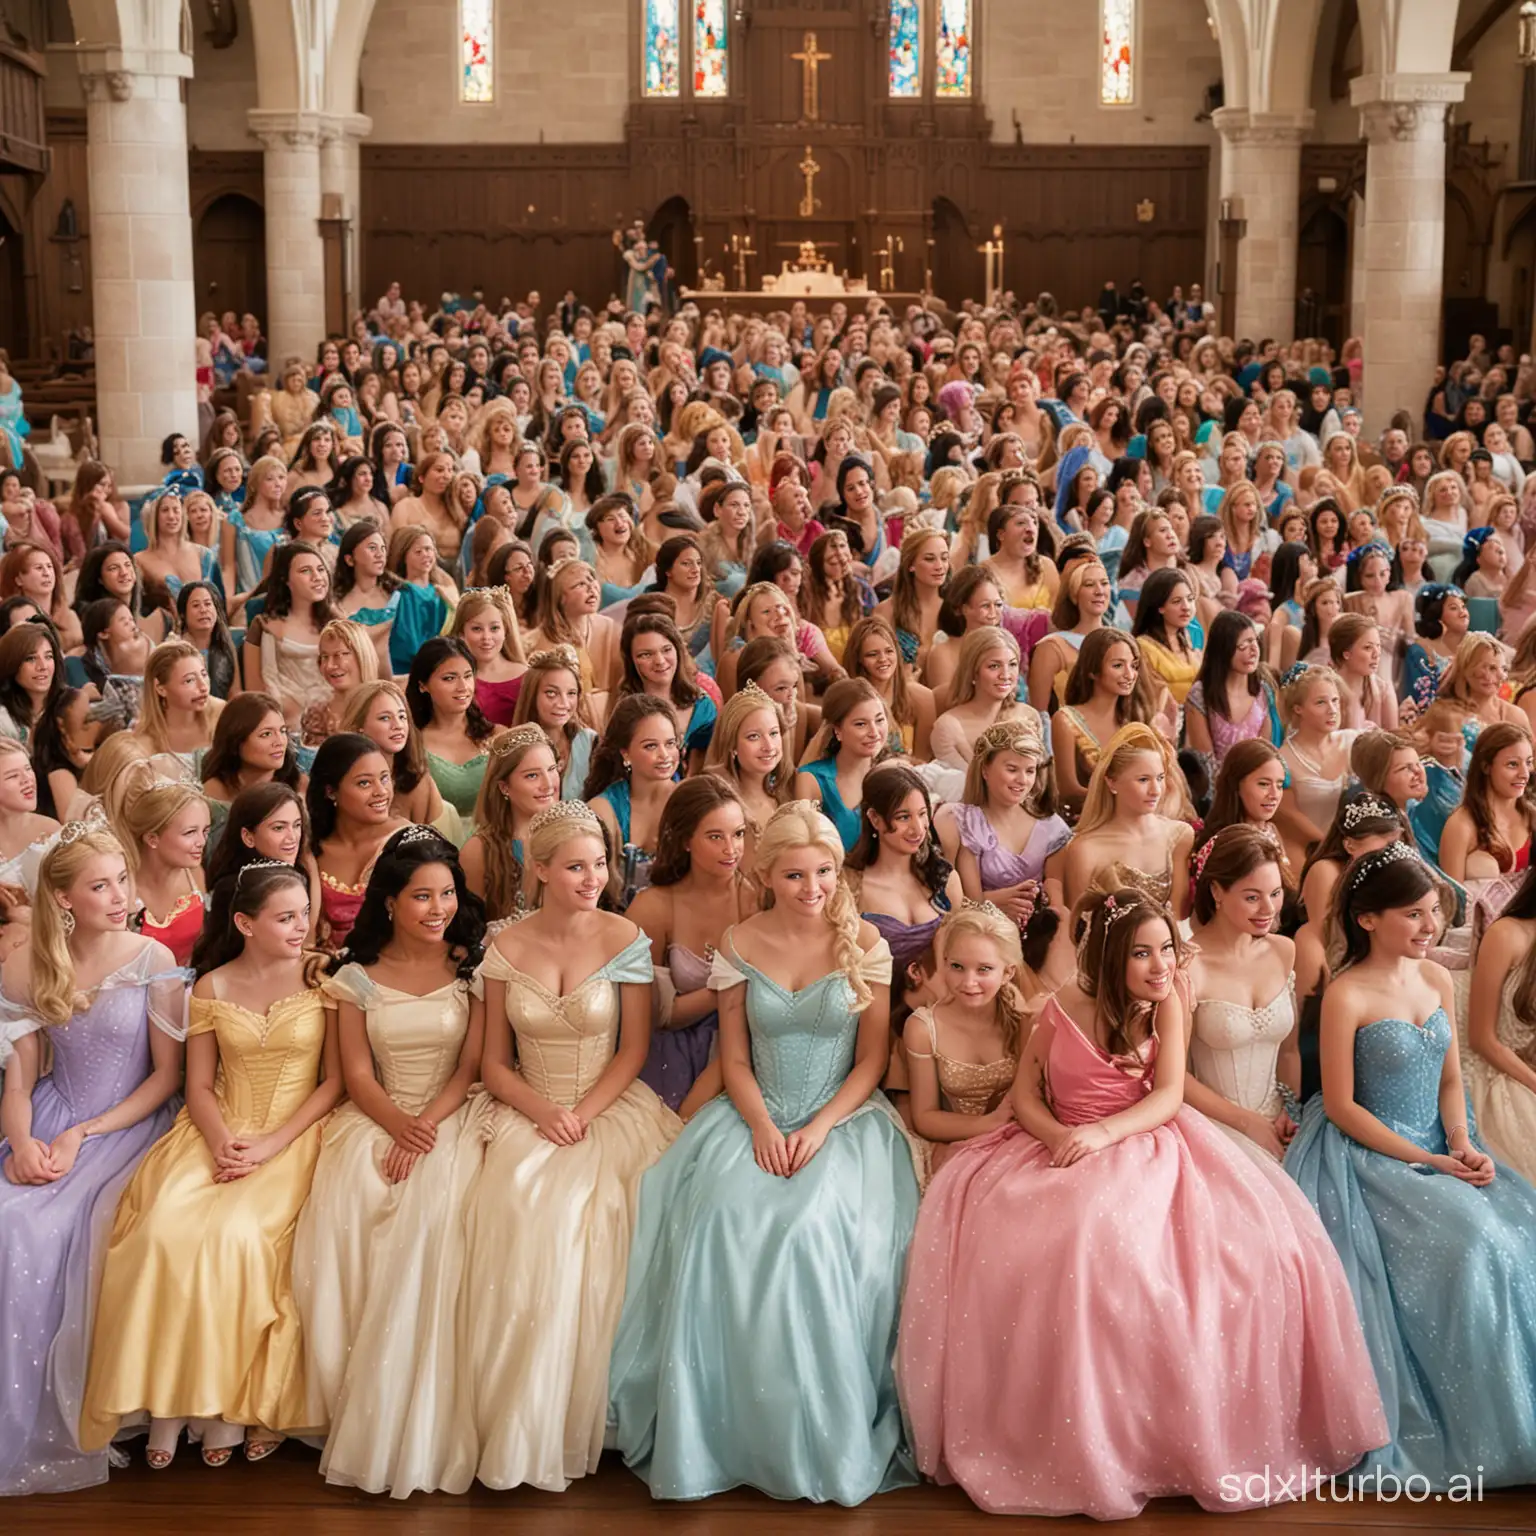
x: 661, y: 58
x: 710, y: 48
x: 476, y: 32
x: 1117, y: 86
x: 906, y: 66
x: 952, y: 49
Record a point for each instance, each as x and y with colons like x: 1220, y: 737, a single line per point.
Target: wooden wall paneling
x: 58, y: 292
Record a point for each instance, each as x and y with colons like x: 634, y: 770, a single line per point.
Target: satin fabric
x: 53, y: 1237
x: 1444, y: 1274
x: 1505, y: 1109
x: 760, y: 1315
x: 548, y: 1235
x: 197, y: 1318
x: 1153, y: 1319
x: 377, y: 1266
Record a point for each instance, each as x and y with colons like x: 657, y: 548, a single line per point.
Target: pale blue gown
x: 760, y: 1315
x: 1444, y: 1274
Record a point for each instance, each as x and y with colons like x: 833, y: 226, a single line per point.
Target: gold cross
x: 809, y: 60
x: 808, y: 168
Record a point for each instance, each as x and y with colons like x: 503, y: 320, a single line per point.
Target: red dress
x: 179, y: 931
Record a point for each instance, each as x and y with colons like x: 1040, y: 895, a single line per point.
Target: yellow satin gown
x: 549, y: 1230
x: 196, y: 1317
x: 377, y: 1266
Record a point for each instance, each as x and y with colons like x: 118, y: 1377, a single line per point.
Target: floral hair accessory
x: 1202, y: 857
x: 1426, y: 689
x: 1294, y: 673
x: 1393, y: 853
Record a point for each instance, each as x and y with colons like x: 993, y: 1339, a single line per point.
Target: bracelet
x: 1453, y: 1132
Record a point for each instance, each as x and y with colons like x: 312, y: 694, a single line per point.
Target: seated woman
x: 1365, y: 823
x: 1165, y: 633
x: 441, y: 693
x: 1107, y: 688
x: 913, y: 607
x: 109, y: 571
x: 1233, y: 699
x: 633, y: 774
x: 1123, y: 837
x: 872, y: 653
x: 170, y: 557
x: 1389, y: 1133
x: 282, y: 644
x: 656, y: 662
x: 621, y: 554
x: 1023, y: 1235
x: 569, y: 596
x: 1082, y: 606
x: 1489, y: 834
x: 379, y: 711
x: 985, y: 690
x: 426, y: 592
x: 853, y: 733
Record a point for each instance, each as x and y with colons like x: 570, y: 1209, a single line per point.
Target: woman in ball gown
x: 1438, y: 1241
x: 760, y: 1315
x: 196, y: 1321
x: 1081, y: 1332
x: 379, y: 1253
x: 569, y: 1131
x: 111, y: 1006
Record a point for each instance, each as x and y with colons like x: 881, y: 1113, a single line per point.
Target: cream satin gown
x: 549, y: 1231
x: 377, y: 1266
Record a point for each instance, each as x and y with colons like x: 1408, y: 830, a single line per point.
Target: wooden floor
x: 286, y: 1497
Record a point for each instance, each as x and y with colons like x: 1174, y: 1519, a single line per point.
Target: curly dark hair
x: 884, y: 791
x: 399, y: 860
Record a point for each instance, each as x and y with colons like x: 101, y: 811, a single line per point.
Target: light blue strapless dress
x: 1444, y: 1274
x: 760, y: 1314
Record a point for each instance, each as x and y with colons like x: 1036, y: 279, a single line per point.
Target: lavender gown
x: 678, y: 1056
x: 1000, y: 867
x: 53, y: 1237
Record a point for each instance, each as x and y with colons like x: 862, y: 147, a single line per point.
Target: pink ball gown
x: 1162, y: 1317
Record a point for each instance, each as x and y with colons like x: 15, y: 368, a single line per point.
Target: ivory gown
x: 377, y: 1266
x: 197, y: 1317
x: 1505, y: 1110
x: 1233, y: 1051
x: 549, y: 1231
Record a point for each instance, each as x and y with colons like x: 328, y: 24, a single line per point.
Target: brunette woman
x: 633, y: 775
x: 1233, y: 699
x: 853, y: 735
x: 282, y: 645
x: 379, y: 711
x: 521, y: 780
x: 872, y: 653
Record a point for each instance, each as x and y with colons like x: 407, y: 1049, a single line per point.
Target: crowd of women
x: 818, y: 901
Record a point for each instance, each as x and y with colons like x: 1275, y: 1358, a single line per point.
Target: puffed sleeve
x: 17, y: 1020
x: 876, y: 964
x: 723, y: 975
x: 494, y: 967
x: 351, y: 984
x: 632, y: 963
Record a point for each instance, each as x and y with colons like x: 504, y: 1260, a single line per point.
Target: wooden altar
x: 754, y: 301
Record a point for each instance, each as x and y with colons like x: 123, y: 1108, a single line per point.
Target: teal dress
x: 759, y: 1320
x: 844, y: 818
x: 636, y: 871
x: 1444, y: 1274
x: 421, y: 614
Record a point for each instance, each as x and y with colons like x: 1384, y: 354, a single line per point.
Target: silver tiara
x: 1393, y: 853
x: 986, y: 908
x: 1366, y: 808
x: 529, y: 735
x: 416, y: 833
x: 95, y: 820
x: 245, y: 869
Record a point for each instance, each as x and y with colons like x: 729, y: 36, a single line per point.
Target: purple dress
x: 907, y: 940
x: 53, y: 1237
x: 678, y: 1056
x: 999, y: 866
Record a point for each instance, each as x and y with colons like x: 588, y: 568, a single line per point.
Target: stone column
x: 1261, y: 187
x: 341, y: 176
x: 1402, y: 118
x: 295, y: 256
x: 143, y: 301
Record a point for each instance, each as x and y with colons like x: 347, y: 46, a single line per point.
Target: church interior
x: 1193, y: 337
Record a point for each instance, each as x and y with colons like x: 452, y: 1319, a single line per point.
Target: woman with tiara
x: 1438, y: 1240
x: 379, y: 1252
x: 1107, y: 1301
x: 568, y: 1132
x: 110, y: 1006
x: 196, y: 1325
x: 799, y: 1172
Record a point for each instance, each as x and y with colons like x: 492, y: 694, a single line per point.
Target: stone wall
x: 1042, y: 61
x: 562, y: 74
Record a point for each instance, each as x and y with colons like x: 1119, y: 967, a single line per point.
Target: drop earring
x: 68, y: 921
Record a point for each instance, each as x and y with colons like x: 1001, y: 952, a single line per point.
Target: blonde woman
x: 164, y: 831
x: 553, y: 698
x: 569, y: 596
x: 762, y: 610
x: 178, y: 713
x: 750, y: 749
x: 347, y: 660
x: 108, y: 1007
x: 486, y: 621
x: 521, y: 780
x: 1123, y: 838
x: 985, y: 690
x: 252, y: 530
x: 429, y: 506
x: 171, y: 557
x: 777, y: 1162
x: 1082, y: 606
